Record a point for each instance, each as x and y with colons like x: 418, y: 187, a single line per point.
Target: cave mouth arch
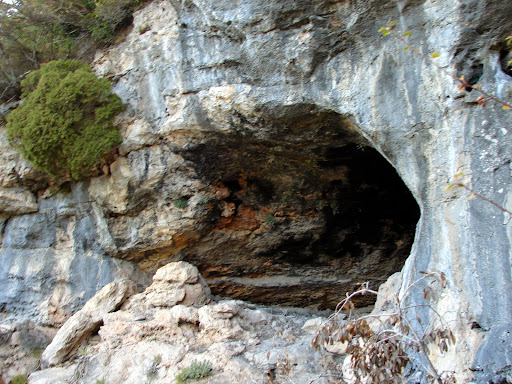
x: 307, y: 210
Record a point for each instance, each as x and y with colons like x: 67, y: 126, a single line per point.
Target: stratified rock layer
x: 236, y: 111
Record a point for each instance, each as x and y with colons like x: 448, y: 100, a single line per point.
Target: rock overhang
x: 292, y: 207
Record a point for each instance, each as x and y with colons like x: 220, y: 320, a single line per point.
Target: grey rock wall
x: 193, y: 71
x: 53, y: 256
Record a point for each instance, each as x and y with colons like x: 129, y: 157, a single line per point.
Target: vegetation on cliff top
x: 33, y: 32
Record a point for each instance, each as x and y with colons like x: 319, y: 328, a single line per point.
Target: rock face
x: 52, y: 246
x: 21, y: 346
x: 256, y: 145
x: 277, y: 198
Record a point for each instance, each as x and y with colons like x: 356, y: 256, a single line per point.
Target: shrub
x: 64, y: 126
x: 37, y: 31
x: 270, y: 221
x: 180, y: 202
x: 385, y: 347
x: 109, y: 16
x: 196, y: 370
x: 19, y: 379
x: 204, y: 199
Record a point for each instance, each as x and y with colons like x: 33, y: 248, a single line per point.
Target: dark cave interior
x: 314, y: 210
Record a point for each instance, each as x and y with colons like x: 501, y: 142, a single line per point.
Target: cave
x: 308, y: 210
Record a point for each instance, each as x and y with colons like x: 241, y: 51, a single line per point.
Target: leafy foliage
x: 458, y: 183
x: 204, y: 199
x: 270, y: 221
x: 33, y: 32
x: 180, y: 202
x: 19, y: 379
x: 64, y: 124
x: 196, y: 370
x: 382, y: 346
x: 109, y: 15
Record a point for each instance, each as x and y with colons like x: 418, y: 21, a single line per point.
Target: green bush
x: 109, y: 16
x: 20, y: 379
x: 196, y: 370
x: 180, y: 202
x: 64, y: 126
x: 33, y: 32
x: 270, y: 220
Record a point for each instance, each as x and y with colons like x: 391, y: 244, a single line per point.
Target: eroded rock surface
x: 244, y: 133
x: 275, y: 196
x: 21, y: 346
x: 53, y: 246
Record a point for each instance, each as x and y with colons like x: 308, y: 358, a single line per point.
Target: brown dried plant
x: 383, y: 347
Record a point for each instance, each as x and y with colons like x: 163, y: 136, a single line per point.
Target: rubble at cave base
x: 174, y: 322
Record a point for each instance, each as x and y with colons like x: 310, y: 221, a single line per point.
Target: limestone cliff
x: 290, y: 152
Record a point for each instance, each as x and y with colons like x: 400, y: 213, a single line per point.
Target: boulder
x: 177, y: 272
x: 86, y: 321
x: 175, y: 283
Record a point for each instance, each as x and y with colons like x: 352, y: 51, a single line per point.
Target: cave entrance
x: 307, y: 210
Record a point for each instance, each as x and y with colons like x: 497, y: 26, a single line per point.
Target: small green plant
x: 82, y: 351
x: 153, y: 370
x: 19, y: 379
x: 37, y: 353
x: 151, y: 375
x: 286, y: 196
x: 144, y: 28
x: 509, y: 43
x: 196, y: 370
x: 180, y: 202
x: 102, y: 381
x: 64, y: 126
x: 270, y: 221
x: 335, y: 208
x: 204, y: 199
x: 321, y: 204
